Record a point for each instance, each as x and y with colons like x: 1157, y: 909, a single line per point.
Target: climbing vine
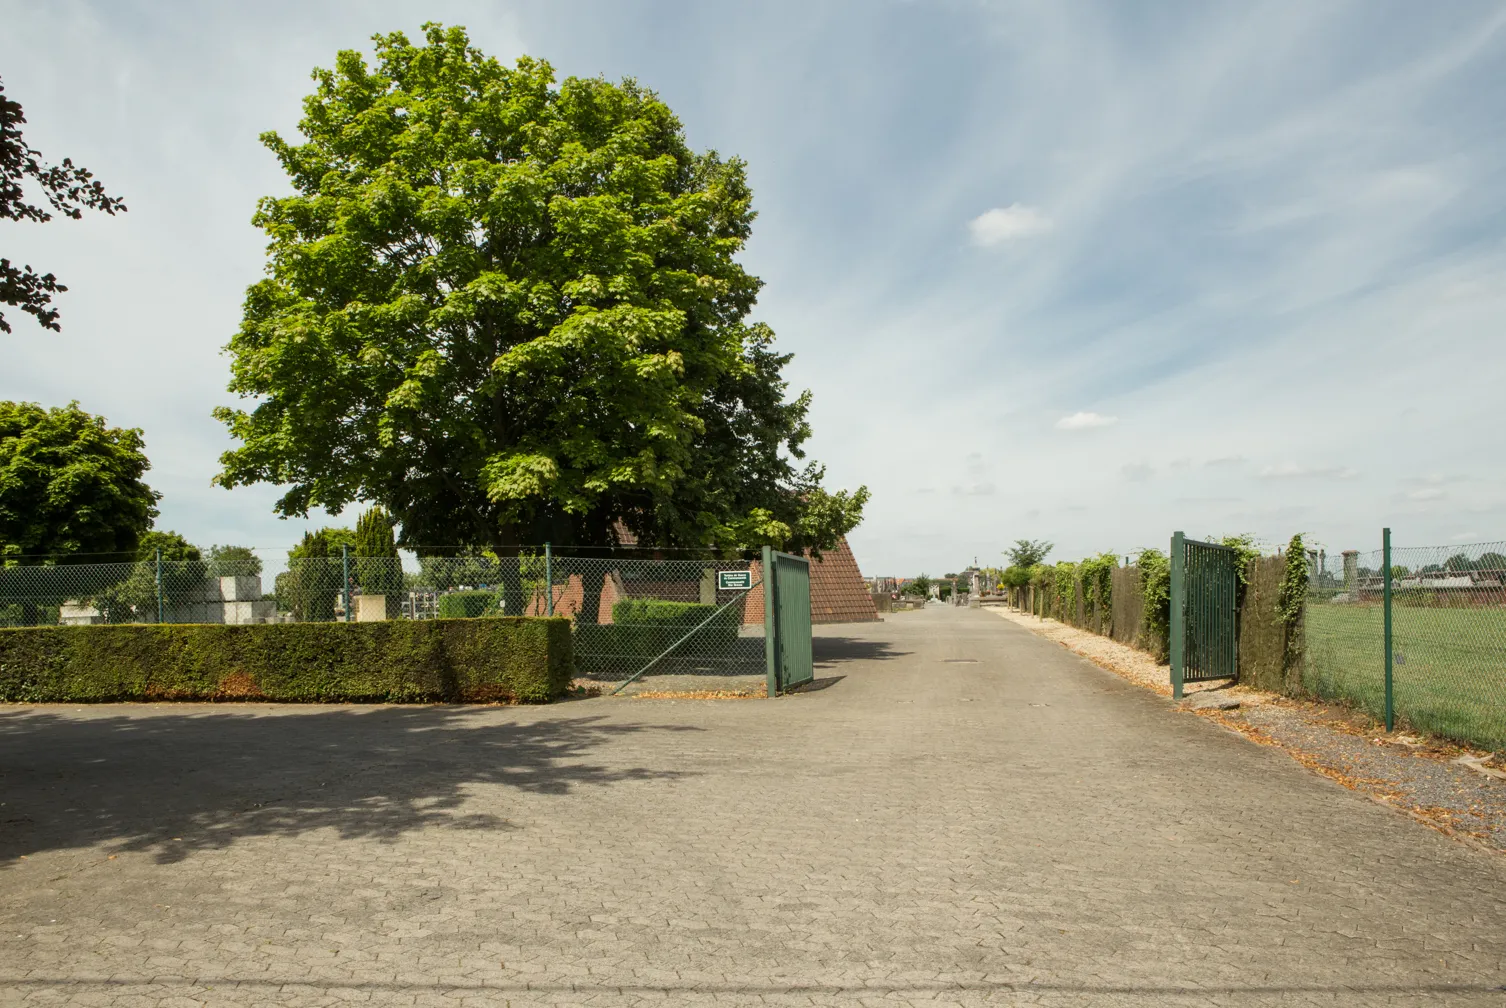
x: 1155, y: 589
x: 1097, y: 575
x: 1064, y: 585
x: 1292, y: 598
x: 1244, y: 546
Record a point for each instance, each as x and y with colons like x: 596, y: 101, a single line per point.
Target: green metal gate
x: 787, y: 620
x: 1204, y: 630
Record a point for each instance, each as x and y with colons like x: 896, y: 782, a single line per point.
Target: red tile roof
x: 838, y: 592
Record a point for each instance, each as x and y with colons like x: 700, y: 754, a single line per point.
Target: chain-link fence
x: 1448, y: 632
x: 667, y: 624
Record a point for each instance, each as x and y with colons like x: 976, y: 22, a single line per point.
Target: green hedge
x: 468, y: 604
x: 643, y: 628
x: 524, y: 659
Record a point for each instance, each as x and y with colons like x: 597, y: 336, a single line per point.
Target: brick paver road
x: 1017, y: 827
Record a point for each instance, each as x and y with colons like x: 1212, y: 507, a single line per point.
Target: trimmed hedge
x: 643, y: 628
x: 518, y: 658
x: 468, y: 604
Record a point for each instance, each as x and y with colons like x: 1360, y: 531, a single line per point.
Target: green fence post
x: 549, y: 576
x: 345, y: 578
x: 770, y: 624
x: 160, y: 615
x: 1176, y: 628
x: 1386, y: 605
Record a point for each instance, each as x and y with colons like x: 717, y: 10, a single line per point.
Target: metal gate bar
x: 787, y: 621
x: 1204, y: 626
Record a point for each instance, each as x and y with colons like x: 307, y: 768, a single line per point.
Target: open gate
x: 787, y: 620
x: 1204, y: 626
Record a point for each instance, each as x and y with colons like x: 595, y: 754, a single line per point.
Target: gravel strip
x: 1416, y: 776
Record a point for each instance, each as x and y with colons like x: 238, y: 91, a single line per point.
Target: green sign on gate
x: 1204, y: 627
x: 787, y: 620
x: 734, y: 580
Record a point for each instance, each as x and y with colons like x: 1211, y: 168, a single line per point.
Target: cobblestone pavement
x: 964, y: 814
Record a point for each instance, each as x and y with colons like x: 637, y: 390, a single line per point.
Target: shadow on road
x: 816, y: 685
x: 832, y: 650
x: 175, y: 783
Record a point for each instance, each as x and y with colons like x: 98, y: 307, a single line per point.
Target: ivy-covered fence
x: 1131, y: 603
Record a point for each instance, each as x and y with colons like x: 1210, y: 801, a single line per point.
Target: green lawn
x: 1450, y: 673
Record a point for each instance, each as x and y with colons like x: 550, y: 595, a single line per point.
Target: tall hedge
x: 523, y: 659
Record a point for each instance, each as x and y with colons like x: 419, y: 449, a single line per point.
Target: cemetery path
x: 960, y: 813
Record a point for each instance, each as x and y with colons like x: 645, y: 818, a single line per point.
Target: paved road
x: 967, y: 815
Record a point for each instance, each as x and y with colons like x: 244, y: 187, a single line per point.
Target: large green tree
x: 510, y: 313
x: 69, y: 189
x: 71, y: 487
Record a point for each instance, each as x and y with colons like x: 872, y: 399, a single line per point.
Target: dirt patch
x: 675, y: 687
x: 695, y: 695
x: 1427, y: 779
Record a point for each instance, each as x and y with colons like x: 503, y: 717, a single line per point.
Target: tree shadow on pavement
x: 175, y: 783
x: 832, y: 650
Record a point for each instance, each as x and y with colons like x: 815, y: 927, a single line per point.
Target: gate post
x: 770, y: 625
x: 1176, y: 628
x: 1386, y: 602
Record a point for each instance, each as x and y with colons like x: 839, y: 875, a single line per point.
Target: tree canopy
x: 1028, y: 552
x: 173, y: 545
x: 69, y: 190
x: 225, y: 561
x: 510, y: 313
x: 69, y: 484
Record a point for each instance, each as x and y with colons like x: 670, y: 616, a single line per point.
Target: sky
x: 1083, y: 272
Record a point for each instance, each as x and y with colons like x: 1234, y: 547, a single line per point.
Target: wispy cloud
x: 1002, y: 224
x: 1292, y: 470
x: 1137, y: 472
x: 1085, y: 421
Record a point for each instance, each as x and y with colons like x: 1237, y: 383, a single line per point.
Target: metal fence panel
x: 1448, y: 633
x: 631, y: 610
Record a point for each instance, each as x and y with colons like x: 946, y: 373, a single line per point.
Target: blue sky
x: 1088, y: 272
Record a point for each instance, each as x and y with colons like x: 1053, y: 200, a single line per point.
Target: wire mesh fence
x: 665, y: 623
x: 1448, y: 625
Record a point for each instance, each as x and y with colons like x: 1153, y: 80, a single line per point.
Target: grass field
x: 1450, y: 671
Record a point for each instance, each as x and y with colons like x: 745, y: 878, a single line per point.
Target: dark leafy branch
x: 67, y: 189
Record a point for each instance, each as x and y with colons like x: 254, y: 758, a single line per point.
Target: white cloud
x: 1427, y: 494
x: 1003, y: 224
x: 1085, y: 421
x: 1137, y: 472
